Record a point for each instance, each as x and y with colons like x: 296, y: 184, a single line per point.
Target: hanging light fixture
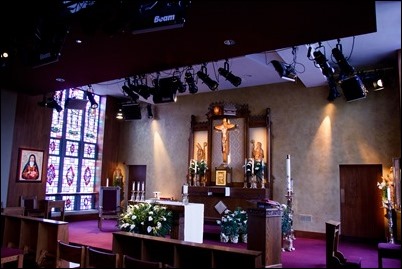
x: 285, y: 71
x: 189, y: 78
x: 203, y: 75
x: 224, y: 72
x: 119, y: 114
x: 90, y: 96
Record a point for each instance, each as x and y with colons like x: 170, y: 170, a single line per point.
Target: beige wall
x: 318, y: 135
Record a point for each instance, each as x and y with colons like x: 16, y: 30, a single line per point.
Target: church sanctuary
x: 209, y: 134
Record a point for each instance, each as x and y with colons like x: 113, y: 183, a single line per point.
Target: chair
x: 388, y: 250
x: 335, y: 258
x: 51, y: 206
x: 31, y: 205
x: 101, y: 259
x: 69, y: 255
x: 14, y: 210
x: 12, y: 255
x: 131, y: 262
x: 109, y: 204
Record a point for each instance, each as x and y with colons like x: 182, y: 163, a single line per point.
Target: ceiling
x: 369, y: 32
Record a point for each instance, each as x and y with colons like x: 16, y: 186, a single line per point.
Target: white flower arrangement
x: 146, y: 218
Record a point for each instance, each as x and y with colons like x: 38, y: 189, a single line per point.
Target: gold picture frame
x: 220, y: 178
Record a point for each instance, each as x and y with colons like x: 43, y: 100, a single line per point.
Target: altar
x: 188, y: 220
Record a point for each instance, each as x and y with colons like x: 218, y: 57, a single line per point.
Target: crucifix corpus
x: 224, y: 128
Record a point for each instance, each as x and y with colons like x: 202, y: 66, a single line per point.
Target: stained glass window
x: 71, y: 171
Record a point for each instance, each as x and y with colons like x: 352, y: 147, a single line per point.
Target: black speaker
x: 131, y: 111
x: 353, y: 88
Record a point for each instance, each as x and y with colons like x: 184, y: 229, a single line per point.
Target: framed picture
x: 221, y: 177
x: 30, y: 165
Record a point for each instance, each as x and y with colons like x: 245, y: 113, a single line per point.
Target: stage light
x: 91, y: 98
x: 320, y: 59
x: 353, y: 88
x: 285, y: 71
x: 333, y: 89
x: 189, y: 78
x: 165, y: 90
x: 50, y: 103
x: 346, y: 69
x: 378, y: 84
x: 224, y: 72
x: 202, y: 74
x: 149, y: 110
x: 126, y: 89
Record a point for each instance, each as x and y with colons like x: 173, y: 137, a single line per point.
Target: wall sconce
x: 202, y: 74
x: 224, y: 72
x: 119, y: 114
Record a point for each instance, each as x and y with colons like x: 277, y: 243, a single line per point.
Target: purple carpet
x: 309, y: 253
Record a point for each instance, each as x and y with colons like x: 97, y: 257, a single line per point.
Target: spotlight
x: 378, y: 84
x: 333, y: 89
x: 189, y: 78
x: 165, y: 91
x: 50, y: 103
x: 320, y: 59
x: 346, y: 69
x: 134, y: 97
x: 285, y: 71
x: 177, y: 85
x: 353, y: 88
x: 149, y: 110
x: 224, y: 72
x: 202, y: 74
x: 91, y: 98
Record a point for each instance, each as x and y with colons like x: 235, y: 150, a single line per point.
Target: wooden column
x: 264, y: 234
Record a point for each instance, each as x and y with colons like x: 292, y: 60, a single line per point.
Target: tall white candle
x: 143, y: 186
x: 245, y: 166
x: 138, y: 186
x: 107, y: 182
x: 185, y: 189
x: 133, y: 185
x: 389, y: 193
x: 252, y: 166
x: 195, y: 167
x: 288, y: 172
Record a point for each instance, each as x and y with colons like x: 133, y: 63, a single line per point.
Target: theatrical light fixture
x: 189, y: 78
x: 346, y: 69
x: 333, y: 89
x: 149, y: 110
x: 322, y: 61
x: 285, y: 71
x: 91, y: 97
x: 202, y: 74
x: 50, y: 103
x: 224, y: 72
x: 378, y: 84
x: 127, y: 90
x: 165, y: 90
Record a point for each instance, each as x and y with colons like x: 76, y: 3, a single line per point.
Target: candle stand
x: 390, y: 222
x: 289, y: 237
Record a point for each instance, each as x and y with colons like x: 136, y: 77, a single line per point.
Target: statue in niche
x: 201, y: 151
x: 258, y: 152
x: 224, y: 128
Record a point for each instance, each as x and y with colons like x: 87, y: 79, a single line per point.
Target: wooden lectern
x: 265, y: 234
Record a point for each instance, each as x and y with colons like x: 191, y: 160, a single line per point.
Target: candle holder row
x: 138, y: 196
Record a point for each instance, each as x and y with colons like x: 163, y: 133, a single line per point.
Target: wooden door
x: 362, y: 215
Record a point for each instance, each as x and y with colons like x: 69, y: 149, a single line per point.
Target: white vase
x: 234, y: 238
x: 244, y: 238
x: 224, y: 238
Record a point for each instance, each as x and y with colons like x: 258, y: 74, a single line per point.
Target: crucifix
x: 224, y: 128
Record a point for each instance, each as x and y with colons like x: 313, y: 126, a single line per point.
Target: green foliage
x: 146, y: 218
